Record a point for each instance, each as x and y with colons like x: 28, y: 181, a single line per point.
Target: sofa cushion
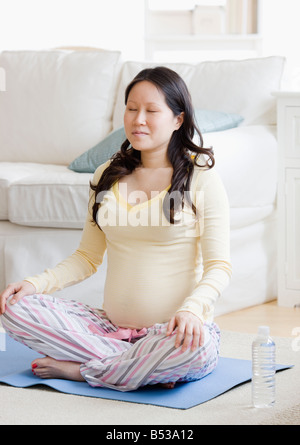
x: 243, y: 87
x: 51, y: 196
x: 207, y: 120
x: 57, y: 103
x: 246, y: 159
x: 88, y: 161
x: 9, y: 173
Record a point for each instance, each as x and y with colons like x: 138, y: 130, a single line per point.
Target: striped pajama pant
x: 111, y: 357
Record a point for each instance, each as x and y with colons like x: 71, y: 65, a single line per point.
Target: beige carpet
x: 43, y: 406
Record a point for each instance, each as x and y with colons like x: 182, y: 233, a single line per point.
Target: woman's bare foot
x: 49, y: 368
x: 169, y: 385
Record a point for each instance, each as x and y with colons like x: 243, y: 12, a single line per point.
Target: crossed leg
x: 79, y: 344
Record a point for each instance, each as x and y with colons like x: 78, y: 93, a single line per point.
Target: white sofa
x: 58, y: 104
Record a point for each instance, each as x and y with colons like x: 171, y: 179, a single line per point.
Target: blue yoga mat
x: 15, y: 370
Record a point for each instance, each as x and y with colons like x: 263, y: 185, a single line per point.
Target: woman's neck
x: 155, y: 160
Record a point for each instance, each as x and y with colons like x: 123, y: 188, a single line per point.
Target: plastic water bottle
x: 263, y: 369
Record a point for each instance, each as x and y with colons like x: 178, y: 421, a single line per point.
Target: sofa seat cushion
x: 51, y: 196
x: 9, y: 173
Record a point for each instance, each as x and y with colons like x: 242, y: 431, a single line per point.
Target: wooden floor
x: 282, y: 320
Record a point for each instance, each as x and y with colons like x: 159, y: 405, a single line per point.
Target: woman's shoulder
x: 204, y: 176
x: 99, y: 171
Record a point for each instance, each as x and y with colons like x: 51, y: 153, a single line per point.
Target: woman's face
x: 149, y: 122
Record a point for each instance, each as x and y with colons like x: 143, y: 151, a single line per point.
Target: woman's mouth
x: 139, y: 133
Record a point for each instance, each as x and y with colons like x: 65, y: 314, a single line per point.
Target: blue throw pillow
x: 207, y: 121
x: 89, y: 161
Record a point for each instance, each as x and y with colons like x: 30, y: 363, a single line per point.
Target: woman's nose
x: 140, y: 118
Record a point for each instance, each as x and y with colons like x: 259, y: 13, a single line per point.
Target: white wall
x: 280, y: 29
x: 120, y: 24
x: 40, y: 24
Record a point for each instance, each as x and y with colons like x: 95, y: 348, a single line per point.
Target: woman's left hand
x: 189, y: 328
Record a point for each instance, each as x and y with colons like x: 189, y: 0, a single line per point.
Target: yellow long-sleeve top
x: 155, y: 268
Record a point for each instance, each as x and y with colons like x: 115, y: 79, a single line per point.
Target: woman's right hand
x: 18, y: 290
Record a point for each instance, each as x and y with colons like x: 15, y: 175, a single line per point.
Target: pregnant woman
x: 159, y: 209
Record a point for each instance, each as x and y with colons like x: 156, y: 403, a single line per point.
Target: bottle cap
x: 264, y: 331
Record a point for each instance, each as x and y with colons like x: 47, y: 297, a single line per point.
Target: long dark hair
x: 180, y: 149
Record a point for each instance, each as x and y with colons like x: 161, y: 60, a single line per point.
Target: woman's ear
x: 180, y: 119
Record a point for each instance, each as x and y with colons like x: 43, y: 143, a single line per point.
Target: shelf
x: 204, y: 37
x: 286, y: 93
x: 220, y: 42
